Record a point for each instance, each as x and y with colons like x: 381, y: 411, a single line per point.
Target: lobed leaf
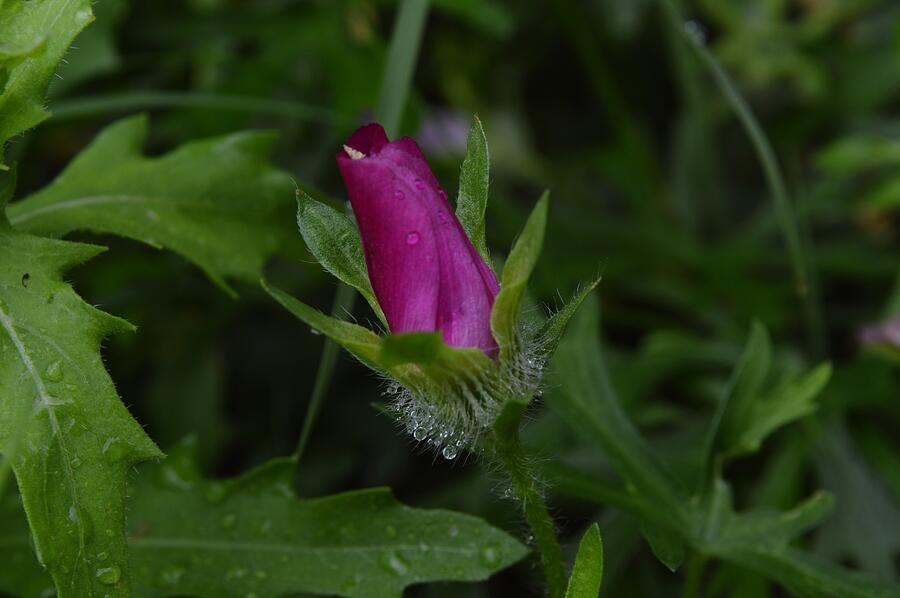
x: 474, y: 180
x: 253, y: 536
x: 36, y: 35
x: 68, y: 437
x: 217, y: 202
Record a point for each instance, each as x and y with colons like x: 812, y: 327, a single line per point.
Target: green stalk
x: 344, y: 299
x: 142, y: 100
x: 395, y: 85
x: 401, y: 61
x: 508, y: 452
x: 784, y: 210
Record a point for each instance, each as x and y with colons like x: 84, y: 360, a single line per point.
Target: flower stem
x: 509, y: 453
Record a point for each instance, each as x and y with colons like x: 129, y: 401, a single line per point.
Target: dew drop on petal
x: 412, y: 238
x: 398, y: 194
x: 419, y: 184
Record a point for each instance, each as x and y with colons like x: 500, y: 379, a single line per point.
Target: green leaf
x: 96, y: 53
x: 217, y: 202
x: 749, y: 414
x: 69, y: 438
x: 586, y: 400
x: 587, y: 573
x: 253, y: 536
x: 552, y: 330
x: 334, y: 239
x: 516, y: 271
x: 36, y: 35
x: 667, y: 546
x: 364, y: 344
x: 474, y: 179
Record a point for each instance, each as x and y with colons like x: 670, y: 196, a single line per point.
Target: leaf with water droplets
x: 357, y: 544
x: 218, y: 202
x: 68, y: 437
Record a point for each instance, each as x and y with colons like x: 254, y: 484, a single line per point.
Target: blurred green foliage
x: 655, y: 186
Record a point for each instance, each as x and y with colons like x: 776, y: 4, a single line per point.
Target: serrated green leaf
x: 516, y: 271
x: 587, y: 573
x: 78, y: 441
x: 36, y: 35
x: 217, y: 202
x: 364, y: 344
x: 748, y: 414
x: 96, y: 53
x: 474, y: 179
x: 253, y: 536
x: 334, y: 240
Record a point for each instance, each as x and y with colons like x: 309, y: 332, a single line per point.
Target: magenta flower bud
x: 424, y: 270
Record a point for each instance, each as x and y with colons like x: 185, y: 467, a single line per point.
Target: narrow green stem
x: 401, y: 61
x: 395, y: 84
x: 509, y: 453
x: 344, y: 299
x: 784, y: 210
x: 693, y: 580
x: 142, y: 100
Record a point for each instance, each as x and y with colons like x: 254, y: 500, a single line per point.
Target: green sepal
x: 334, y: 240
x: 552, y: 330
x: 516, y: 271
x: 587, y: 572
x: 361, y: 342
x: 474, y: 179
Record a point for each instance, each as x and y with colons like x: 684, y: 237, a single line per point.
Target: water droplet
x: 453, y: 531
x: 394, y: 563
x: 80, y: 520
x: 450, y: 451
x: 419, y: 184
x: 398, y: 194
x: 696, y: 32
x: 412, y: 238
x: 170, y: 576
x: 75, y: 462
x: 83, y: 15
x: 490, y: 556
x: 419, y: 433
x: 314, y: 332
x: 265, y: 527
x: 25, y: 278
x: 113, y: 449
x: 108, y: 575
x: 215, y: 492
x: 228, y: 520
x: 391, y: 531
x: 151, y: 215
x: 102, y: 556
